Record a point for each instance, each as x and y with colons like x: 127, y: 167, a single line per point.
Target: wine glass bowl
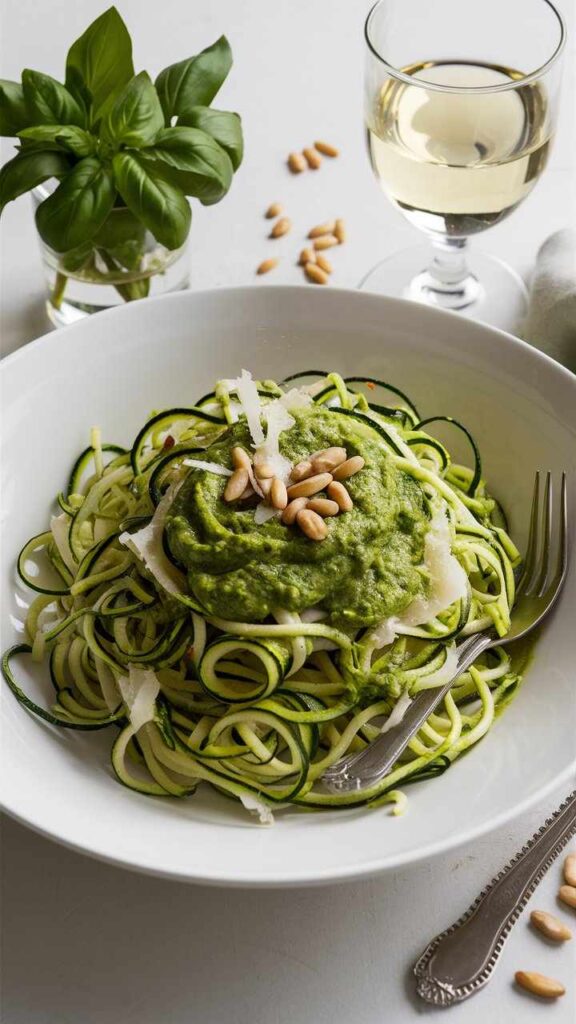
x: 458, y: 138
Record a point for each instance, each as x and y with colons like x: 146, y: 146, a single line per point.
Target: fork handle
x: 460, y: 961
x: 372, y: 764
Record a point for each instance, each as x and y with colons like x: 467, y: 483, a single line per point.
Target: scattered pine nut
x: 312, y: 524
x: 278, y: 493
x: 289, y: 514
x: 325, y: 242
x: 550, y: 926
x: 301, y: 470
x: 323, y: 507
x: 340, y: 231
x: 539, y: 984
x: 324, y: 264
x: 266, y: 266
x: 236, y: 485
x: 315, y: 273
x: 264, y: 471
x: 281, y: 227
x: 348, y: 468
x: 567, y: 893
x: 311, y: 485
x: 296, y: 163
x: 338, y: 493
x: 248, y: 493
x: 312, y: 158
x: 322, y: 229
x: 274, y: 210
x: 326, y: 460
x: 326, y: 148
x: 240, y: 458
x: 265, y: 486
x: 307, y: 256
x: 570, y: 869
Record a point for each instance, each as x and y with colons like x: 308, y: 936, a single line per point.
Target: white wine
x: 459, y: 162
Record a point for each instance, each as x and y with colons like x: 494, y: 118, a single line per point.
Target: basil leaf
x: 100, y: 61
x: 78, y: 208
x: 136, y: 117
x: 61, y: 136
x: 194, y: 82
x: 14, y: 115
x: 224, y: 126
x: 27, y: 170
x: 191, y: 160
x: 161, y: 206
x: 48, y: 101
x: 123, y: 237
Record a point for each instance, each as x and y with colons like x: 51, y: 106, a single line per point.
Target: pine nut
x: 326, y: 148
x: 322, y: 229
x: 338, y: 493
x: 301, y: 470
x: 326, y: 460
x: 311, y: 485
x: 325, y: 242
x: 307, y: 256
x: 550, y: 926
x: 539, y: 984
x: 266, y: 266
x: 570, y: 870
x: 281, y: 227
x: 236, y: 485
x: 315, y: 274
x: 349, y: 468
x: 340, y: 231
x: 324, y: 507
x: 248, y: 493
x: 274, y: 210
x: 264, y: 471
x: 567, y: 894
x: 240, y: 458
x: 278, y: 493
x: 265, y: 486
x: 324, y: 264
x: 292, y: 509
x: 296, y: 163
x: 312, y: 525
x: 312, y: 158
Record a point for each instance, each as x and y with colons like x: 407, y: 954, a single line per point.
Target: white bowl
x: 113, y: 369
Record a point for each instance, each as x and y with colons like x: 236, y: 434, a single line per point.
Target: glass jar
x: 123, y: 262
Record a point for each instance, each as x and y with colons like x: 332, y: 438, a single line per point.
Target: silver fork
x: 542, y: 577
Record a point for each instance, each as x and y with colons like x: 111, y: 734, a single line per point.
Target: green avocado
x: 368, y: 568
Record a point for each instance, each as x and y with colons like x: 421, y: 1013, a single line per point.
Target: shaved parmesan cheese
x: 263, y: 513
x: 245, y: 388
x: 313, y: 614
x: 398, y: 711
x: 448, y: 581
x: 256, y: 806
x: 147, y: 545
x: 139, y: 690
x: 210, y: 467
x: 60, y: 526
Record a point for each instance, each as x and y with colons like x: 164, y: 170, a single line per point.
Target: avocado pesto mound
x: 262, y: 582
x: 368, y: 568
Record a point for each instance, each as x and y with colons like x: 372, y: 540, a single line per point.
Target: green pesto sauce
x: 369, y: 566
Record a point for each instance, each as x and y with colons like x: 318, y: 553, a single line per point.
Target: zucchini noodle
x: 259, y: 710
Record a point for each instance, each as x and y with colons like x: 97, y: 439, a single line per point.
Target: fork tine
x: 543, y: 575
x: 562, y: 563
x: 532, y: 546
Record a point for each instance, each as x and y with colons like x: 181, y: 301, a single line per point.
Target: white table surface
x: 86, y: 943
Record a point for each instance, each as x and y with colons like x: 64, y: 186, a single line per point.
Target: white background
x: 90, y: 944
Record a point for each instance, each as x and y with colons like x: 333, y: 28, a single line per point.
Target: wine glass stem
x: 447, y: 282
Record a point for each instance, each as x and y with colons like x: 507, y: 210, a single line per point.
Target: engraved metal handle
x: 460, y: 961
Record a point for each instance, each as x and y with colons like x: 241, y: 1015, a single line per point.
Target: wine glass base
x: 492, y: 293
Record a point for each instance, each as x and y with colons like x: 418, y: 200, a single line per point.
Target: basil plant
x: 117, y: 141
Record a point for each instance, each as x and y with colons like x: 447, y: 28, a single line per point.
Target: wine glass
x: 461, y: 101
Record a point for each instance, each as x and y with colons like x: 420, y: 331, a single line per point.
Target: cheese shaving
x: 60, y: 526
x: 210, y: 467
x: 139, y: 690
x: 398, y: 711
x: 256, y: 806
x: 147, y: 545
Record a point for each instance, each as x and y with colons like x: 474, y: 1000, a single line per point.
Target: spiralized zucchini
x: 257, y: 710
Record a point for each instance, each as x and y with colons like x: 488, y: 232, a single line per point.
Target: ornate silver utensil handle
x: 460, y: 961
